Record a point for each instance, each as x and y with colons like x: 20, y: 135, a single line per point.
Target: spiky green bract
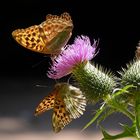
x: 94, y: 81
x: 131, y: 75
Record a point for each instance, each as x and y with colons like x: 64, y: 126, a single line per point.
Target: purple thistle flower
x: 77, y: 53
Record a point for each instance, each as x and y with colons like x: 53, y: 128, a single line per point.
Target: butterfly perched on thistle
x: 67, y: 103
x: 49, y: 37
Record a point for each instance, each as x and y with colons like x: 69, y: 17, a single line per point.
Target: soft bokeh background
x: 117, y: 26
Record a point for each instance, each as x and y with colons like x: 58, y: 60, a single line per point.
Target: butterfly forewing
x: 30, y: 38
x: 47, y: 37
x: 46, y: 104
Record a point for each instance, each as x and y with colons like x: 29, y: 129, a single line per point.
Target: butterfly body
x: 49, y: 37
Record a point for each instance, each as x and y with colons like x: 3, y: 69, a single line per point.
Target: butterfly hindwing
x: 61, y: 117
x: 75, y: 103
x: 55, y: 24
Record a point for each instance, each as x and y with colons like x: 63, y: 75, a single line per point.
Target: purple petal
x: 74, y: 54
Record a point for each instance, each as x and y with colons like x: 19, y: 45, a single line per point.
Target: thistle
x: 75, y: 59
x: 131, y: 75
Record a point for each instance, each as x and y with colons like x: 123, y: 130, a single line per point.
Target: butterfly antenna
x: 37, y: 64
x: 41, y: 85
x: 56, y: 80
x: 68, y: 81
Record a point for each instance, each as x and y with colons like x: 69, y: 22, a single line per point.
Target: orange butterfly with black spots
x: 49, y: 37
x: 67, y: 102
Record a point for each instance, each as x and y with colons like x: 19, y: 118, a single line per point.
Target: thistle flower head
x: 131, y: 75
x: 79, y: 52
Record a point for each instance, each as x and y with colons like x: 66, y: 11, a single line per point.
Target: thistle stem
x: 116, y: 105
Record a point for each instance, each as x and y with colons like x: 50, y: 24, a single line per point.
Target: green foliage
x: 98, y: 113
x: 115, y: 103
x: 110, y: 106
x: 121, y: 96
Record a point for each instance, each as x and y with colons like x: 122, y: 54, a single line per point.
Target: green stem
x: 102, y: 108
x: 126, y: 112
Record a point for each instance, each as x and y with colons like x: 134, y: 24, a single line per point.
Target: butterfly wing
x: 31, y: 38
x: 75, y: 102
x: 46, y: 104
x: 58, y: 30
x: 55, y: 24
x: 61, y: 116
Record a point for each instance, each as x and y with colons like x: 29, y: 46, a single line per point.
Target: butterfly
x: 49, y: 37
x: 67, y: 102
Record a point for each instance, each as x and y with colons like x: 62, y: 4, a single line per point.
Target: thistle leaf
x: 127, y: 132
x: 123, y: 90
x: 107, y: 113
